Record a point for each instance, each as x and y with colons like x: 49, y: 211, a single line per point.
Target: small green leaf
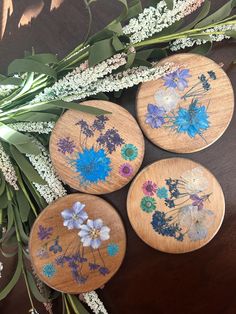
x: 26, y: 167
x: 28, y: 148
x: 34, y: 116
x: 202, y: 49
x: 231, y: 34
x: 100, y: 51
x: 12, y: 136
x: 2, y: 186
x: 14, y: 279
x: 76, y: 304
x: 44, y: 58
x: 23, y: 204
x: 11, y: 81
x: 20, y: 227
x: 135, y: 7
x: 27, y: 65
x: 117, y: 44
x: 10, y: 217
x: 3, y: 200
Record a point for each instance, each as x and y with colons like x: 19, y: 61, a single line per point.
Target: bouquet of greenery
x: 39, y: 87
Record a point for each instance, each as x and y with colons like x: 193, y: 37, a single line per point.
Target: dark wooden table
x: 150, y: 282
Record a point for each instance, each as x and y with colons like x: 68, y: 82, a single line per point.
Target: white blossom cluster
x: 33, y: 127
x: 76, y: 81
x: 125, y: 79
x: 7, y: 169
x: 154, y: 19
x: 6, y: 90
x: 43, y: 165
x: 94, y: 302
x: 189, y: 42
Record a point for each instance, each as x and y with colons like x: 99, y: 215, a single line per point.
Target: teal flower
x: 49, y: 270
x: 129, y: 152
x: 112, y: 249
x: 148, y: 204
x: 162, y: 192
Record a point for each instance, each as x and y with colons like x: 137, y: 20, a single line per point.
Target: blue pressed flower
x: 177, y: 79
x: 192, y: 121
x: 75, y: 216
x: 44, y: 233
x: 155, y: 116
x: 93, y: 266
x: 93, y: 166
x: 162, y: 192
x: 66, y: 145
x: 170, y: 203
x: 112, y: 249
x: 104, y: 271
x: 55, y: 248
x: 49, y: 270
x: 212, y: 75
x: 129, y: 152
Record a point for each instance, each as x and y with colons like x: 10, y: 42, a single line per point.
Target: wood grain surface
x: 218, y: 103
x: 116, y: 168
x: 148, y: 281
x: 63, y: 246
x: 196, y: 205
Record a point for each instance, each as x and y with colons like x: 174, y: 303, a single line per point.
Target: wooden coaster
x: 77, y: 243
x: 176, y: 205
x: 97, y: 154
x: 189, y: 109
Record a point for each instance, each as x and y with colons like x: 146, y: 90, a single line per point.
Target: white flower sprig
x: 95, y: 304
x: 43, y: 165
x: 1, y: 269
x: 7, y: 169
x: 154, y: 19
x: 75, y: 81
x: 33, y: 127
x: 6, y: 90
x: 216, y: 34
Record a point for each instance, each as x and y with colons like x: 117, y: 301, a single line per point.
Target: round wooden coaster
x: 77, y: 243
x: 97, y: 154
x: 189, y: 109
x: 176, y: 205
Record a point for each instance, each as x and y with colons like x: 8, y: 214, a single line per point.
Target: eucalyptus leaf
x: 76, y: 304
x: 27, y: 65
x: 231, y: 34
x: 2, y: 186
x: 11, y: 81
x: 23, y: 235
x: 26, y: 167
x: 28, y: 148
x: 135, y: 7
x: 117, y: 44
x: 10, y: 216
x: 10, y: 254
x: 100, y: 96
x: 15, y: 277
x: 218, y: 15
x: 34, y: 289
x: 44, y: 58
x: 12, y: 136
x: 35, y: 116
x: 3, y: 200
x: 203, y: 49
x: 23, y: 205
x: 101, y: 51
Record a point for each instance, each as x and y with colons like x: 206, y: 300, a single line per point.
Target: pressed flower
x: 194, y: 180
x: 177, y: 79
x: 44, y: 233
x: 104, y: 271
x: 148, y: 204
x: 126, y: 170
x: 42, y: 253
x: 94, y: 302
x: 162, y: 193
x: 74, y: 217
x: 112, y: 249
x: 66, y: 145
x: 155, y: 116
x: 149, y: 188
x: 93, y: 233
x: 110, y: 140
x: 167, y: 99
x: 55, y: 248
x: 129, y: 152
x: 33, y: 127
x: 49, y: 270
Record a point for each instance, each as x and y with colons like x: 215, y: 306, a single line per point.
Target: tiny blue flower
x: 112, y: 249
x: 104, y: 271
x: 55, y: 248
x: 129, y: 152
x: 49, y: 270
x: 162, y: 192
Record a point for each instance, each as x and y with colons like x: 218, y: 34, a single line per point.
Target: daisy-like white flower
x: 168, y: 99
x: 196, y: 222
x: 74, y: 217
x: 194, y: 180
x: 93, y: 233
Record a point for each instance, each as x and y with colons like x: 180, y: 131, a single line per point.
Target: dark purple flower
x: 65, y: 145
x: 55, y: 248
x: 110, y: 140
x: 177, y: 79
x: 99, y: 123
x: 155, y: 116
x: 104, y: 271
x: 44, y: 233
x: 85, y: 128
x: 126, y: 170
x: 93, y: 266
x: 60, y: 260
x: 197, y: 201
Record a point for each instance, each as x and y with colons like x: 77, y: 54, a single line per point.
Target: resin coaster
x: 175, y: 205
x: 77, y: 243
x: 189, y: 109
x: 97, y: 154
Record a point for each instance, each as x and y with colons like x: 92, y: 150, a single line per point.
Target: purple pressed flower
x: 55, y: 248
x: 149, y: 188
x: 104, y: 271
x: 99, y: 123
x: 110, y: 140
x: 74, y: 217
x: 155, y: 116
x: 85, y: 128
x: 197, y: 201
x: 44, y: 233
x: 65, y: 145
x: 177, y: 79
x: 126, y: 170
x: 93, y: 233
x: 42, y: 253
x: 60, y: 260
x: 93, y: 266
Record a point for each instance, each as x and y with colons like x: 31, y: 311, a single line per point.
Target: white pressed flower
x: 194, y: 180
x: 95, y: 304
x: 75, y: 81
x: 167, y: 98
x: 7, y: 169
x: 33, y: 127
x: 43, y: 164
x: 154, y: 19
x: 189, y: 42
x: 1, y: 269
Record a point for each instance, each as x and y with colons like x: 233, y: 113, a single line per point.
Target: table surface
x: 149, y: 281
